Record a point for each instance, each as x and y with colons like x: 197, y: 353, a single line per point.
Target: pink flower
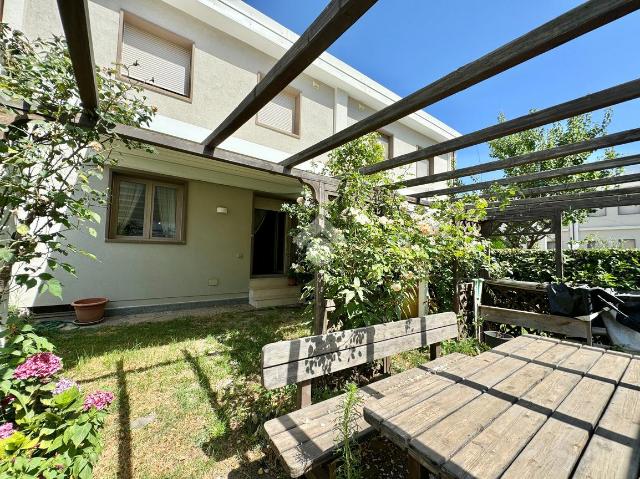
x: 98, y: 399
x: 6, y: 430
x: 40, y: 365
x: 63, y: 385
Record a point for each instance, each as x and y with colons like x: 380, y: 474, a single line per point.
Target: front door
x: 269, y: 242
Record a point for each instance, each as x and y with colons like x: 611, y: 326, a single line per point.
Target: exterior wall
x: 217, y: 247
x: 225, y: 69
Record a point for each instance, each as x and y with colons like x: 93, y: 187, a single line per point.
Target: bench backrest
x: 565, y: 325
x: 298, y: 360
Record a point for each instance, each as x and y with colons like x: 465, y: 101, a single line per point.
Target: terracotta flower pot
x: 89, y: 310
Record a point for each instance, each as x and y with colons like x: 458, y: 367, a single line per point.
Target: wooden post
x: 416, y: 470
x: 556, y: 221
x: 456, y: 295
x: 303, y: 394
x: 435, y: 350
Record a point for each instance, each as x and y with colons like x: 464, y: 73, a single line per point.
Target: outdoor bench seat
x: 305, y: 439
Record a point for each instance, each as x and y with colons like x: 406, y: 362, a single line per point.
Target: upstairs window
x: 154, y: 56
x: 629, y: 210
x: 282, y: 113
x: 387, y: 144
x: 144, y: 209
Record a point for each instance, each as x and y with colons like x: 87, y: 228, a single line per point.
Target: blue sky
x: 406, y: 44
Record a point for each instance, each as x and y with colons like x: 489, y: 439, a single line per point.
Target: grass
x: 196, y: 381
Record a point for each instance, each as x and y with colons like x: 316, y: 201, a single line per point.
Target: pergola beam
x: 594, y: 101
x: 541, y: 175
x: 334, y: 20
x: 570, y: 25
x: 77, y: 30
x: 606, y: 141
x: 579, y: 185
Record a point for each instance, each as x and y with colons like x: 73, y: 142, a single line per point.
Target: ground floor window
x: 145, y: 209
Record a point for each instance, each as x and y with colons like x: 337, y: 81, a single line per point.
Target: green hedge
x: 610, y: 268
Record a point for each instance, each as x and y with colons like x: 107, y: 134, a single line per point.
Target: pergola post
x: 556, y: 221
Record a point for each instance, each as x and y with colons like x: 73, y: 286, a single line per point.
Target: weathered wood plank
x: 376, y: 390
x: 402, y: 427
x: 541, y: 175
x: 570, y: 25
x: 605, y: 141
x: 614, y: 449
x: 579, y: 185
x: 556, y: 447
x: 437, y: 444
x: 545, y: 322
x: 74, y: 15
x: 332, y: 22
x: 282, y: 352
x: 513, y: 284
x: 294, y: 372
x: 489, y: 453
x: 306, y: 437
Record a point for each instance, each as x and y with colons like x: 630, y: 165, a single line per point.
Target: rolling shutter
x: 156, y: 60
x: 280, y: 113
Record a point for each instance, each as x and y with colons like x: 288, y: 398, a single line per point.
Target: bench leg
x: 303, y: 394
x: 435, y: 351
x: 326, y: 471
x: 416, y: 470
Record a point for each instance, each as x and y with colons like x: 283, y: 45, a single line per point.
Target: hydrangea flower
x: 98, y: 400
x: 63, y: 385
x: 6, y: 430
x: 396, y: 287
x: 40, y: 365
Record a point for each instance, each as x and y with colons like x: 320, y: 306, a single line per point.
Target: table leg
x: 416, y: 470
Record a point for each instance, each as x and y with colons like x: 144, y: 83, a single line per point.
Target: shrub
x: 609, y: 268
x: 48, y: 429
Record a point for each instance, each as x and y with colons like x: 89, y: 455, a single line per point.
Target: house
x: 186, y: 231
x: 612, y: 227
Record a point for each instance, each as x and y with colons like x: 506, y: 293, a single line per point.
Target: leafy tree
x: 374, y: 248
x: 48, y: 162
x: 578, y: 128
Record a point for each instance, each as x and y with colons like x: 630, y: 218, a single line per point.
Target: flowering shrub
x: 374, y: 248
x: 48, y: 429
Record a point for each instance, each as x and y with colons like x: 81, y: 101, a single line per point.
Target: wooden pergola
x: 334, y: 20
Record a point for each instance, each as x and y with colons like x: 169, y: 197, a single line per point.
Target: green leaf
x: 22, y: 229
x: 80, y: 434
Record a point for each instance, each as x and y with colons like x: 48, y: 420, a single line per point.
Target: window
x: 628, y: 244
x: 154, y: 56
x: 282, y: 113
x: 629, y: 210
x: 145, y: 209
x: 551, y: 245
x: 387, y: 144
x: 598, y: 212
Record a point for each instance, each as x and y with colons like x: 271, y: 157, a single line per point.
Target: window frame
x: 620, y: 213
x: 297, y: 118
x: 150, y: 182
x: 135, y: 20
x: 389, y: 136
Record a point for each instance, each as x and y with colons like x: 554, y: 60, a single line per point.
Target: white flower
x: 503, y: 228
x: 384, y: 221
x: 409, y: 275
x: 300, y: 200
x: 396, y: 287
x: 362, y: 219
x: 96, y: 146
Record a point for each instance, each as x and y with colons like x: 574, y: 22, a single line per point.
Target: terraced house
x: 183, y: 230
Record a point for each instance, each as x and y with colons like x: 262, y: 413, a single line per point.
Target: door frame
x: 288, y: 245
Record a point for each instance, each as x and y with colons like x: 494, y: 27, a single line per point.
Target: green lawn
x: 197, y: 380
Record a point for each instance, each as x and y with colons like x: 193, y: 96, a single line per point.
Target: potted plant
x: 89, y: 310
x: 496, y: 338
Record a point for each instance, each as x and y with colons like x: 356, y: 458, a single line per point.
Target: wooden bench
x: 306, y: 439
x: 568, y: 326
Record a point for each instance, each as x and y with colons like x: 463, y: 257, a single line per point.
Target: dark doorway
x: 269, y: 238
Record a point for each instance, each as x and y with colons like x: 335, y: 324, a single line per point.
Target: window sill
x: 145, y: 241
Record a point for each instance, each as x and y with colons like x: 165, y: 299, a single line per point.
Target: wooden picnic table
x: 533, y: 407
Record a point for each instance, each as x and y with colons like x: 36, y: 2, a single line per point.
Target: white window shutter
x: 155, y: 60
x: 280, y: 113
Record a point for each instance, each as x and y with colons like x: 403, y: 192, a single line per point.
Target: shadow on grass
x: 125, y: 471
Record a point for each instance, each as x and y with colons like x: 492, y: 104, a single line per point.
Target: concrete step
x: 292, y: 292
x: 268, y: 283
x: 269, y: 303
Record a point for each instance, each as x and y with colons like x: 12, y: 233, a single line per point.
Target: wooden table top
x: 534, y: 407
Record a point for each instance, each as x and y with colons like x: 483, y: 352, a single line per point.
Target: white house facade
x: 184, y: 230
